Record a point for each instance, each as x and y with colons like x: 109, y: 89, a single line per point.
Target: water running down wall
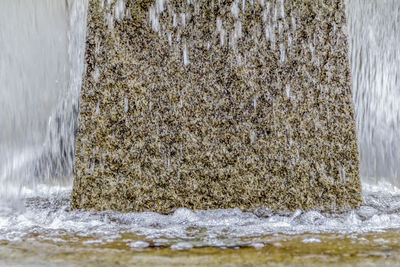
x: 41, y: 44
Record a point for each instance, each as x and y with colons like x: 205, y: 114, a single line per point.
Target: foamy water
x: 50, y: 217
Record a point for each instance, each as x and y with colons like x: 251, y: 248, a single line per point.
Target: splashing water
x: 41, y: 62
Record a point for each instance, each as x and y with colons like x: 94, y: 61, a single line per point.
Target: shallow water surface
x: 45, y: 230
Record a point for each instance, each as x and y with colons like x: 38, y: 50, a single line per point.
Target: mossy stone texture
x: 216, y: 104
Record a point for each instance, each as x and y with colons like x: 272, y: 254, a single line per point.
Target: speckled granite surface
x: 212, y: 104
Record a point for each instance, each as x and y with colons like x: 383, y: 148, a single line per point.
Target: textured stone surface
x: 180, y: 111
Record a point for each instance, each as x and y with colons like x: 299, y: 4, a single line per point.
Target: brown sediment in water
x: 371, y: 249
x: 248, y: 121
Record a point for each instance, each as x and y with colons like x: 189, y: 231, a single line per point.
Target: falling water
x: 41, y: 44
x: 374, y: 28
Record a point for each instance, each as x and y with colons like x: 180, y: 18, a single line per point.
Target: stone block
x: 210, y: 104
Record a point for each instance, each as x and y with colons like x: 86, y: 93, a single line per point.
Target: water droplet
x: 185, y: 55
x: 126, y: 105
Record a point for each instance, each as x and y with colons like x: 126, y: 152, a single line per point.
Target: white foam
x: 139, y: 244
x: 184, y: 228
x: 311, y: 240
